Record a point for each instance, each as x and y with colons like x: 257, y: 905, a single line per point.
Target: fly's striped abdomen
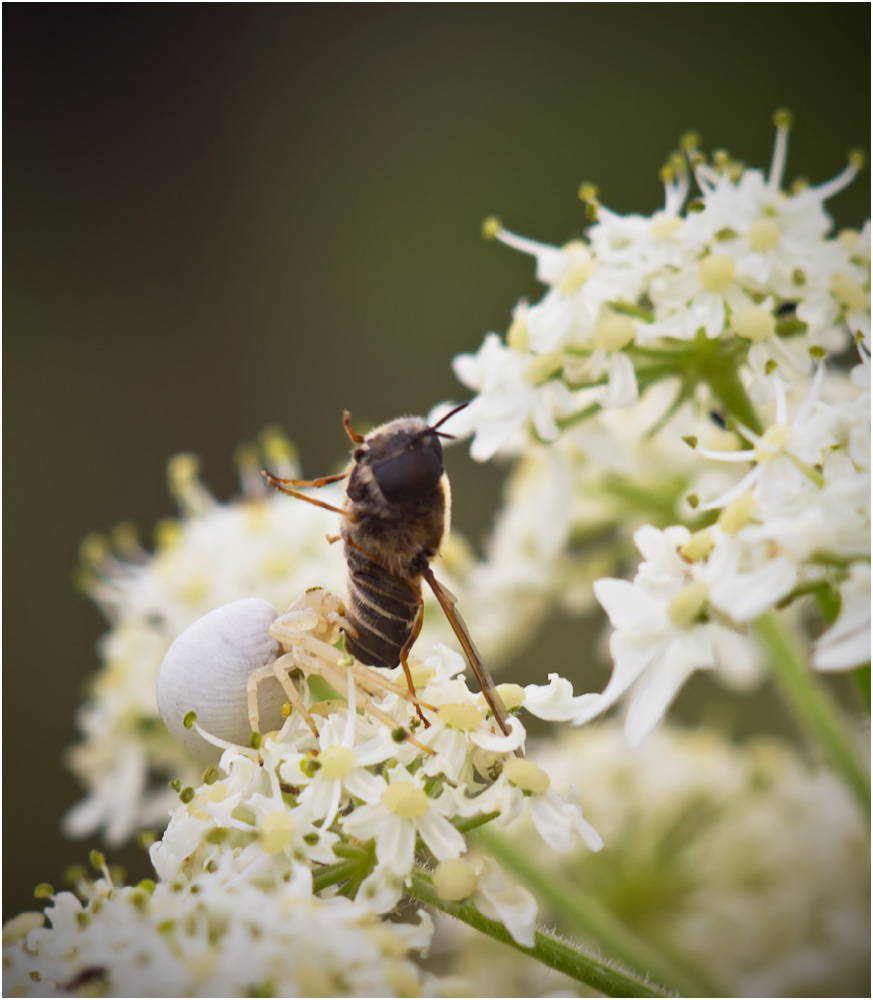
x: 382, y: 608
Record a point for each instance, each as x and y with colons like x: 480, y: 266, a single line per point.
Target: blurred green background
x: 222, y: 216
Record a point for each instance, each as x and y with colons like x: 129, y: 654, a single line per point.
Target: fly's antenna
x: 439, y: 423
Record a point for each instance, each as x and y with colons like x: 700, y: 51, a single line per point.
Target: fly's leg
x: 273, y: 481
x: 404, y: 656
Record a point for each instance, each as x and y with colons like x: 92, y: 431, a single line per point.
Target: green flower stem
x: 861, y: 677
x: 633, y: 309
x: 469, y: 823
x: 591, y: 919
x: 812, y: 705
x: 723, y: 376
x: 333, y: 874
x: 657, y: 503
x: 547, y: 949
x: 342, y: 850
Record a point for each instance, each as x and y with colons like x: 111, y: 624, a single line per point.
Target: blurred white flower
x: 662, y: 634
x: 846, y: 643
x: 218, y: 937
x: 752, y: 862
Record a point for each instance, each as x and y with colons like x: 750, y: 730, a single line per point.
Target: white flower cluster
x: 755, y: 863
x: 262, y: 543
x: 222, y: 936
x: 712, y: 326
x: 215, y: 553
x: 332, y: 776
x: 348, y: 792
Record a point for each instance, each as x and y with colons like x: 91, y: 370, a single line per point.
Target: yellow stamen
x: 275, y: 832
x: 405, y: 799
x: 754, y: 323
x: 336, y: 761
x: 517, y: 336
x: 774, y: 440
x: 543, y: 367
x: 737, y: 514
x: 613, y: 331
x: 716, y: 272
x: 459, y: 716
x: 849, y: 293
x: 698, y: 546
x: 763, y: 234
x: 524, y: 774
x: 663, y: 226
x: 685, y: 606
x: 512, y: 695
x: 454, y: 880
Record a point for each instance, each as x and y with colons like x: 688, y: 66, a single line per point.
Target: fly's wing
x: 447, y: 603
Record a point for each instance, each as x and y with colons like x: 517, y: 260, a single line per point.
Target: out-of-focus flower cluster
x: 686, y: 375
x: 221, y: 937
x: 753, y: 862
x: 215, y: 553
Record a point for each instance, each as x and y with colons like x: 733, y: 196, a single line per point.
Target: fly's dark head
x: 405, y: 458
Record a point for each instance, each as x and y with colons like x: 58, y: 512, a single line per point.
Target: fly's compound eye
x: 412, y: 475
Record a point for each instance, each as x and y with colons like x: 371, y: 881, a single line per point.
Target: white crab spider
x: 233, y: 668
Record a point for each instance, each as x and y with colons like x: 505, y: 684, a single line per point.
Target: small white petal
x: 554, y: 701
x: 653, y: 697
x: 746, y: 596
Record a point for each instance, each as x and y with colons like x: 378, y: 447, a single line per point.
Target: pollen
x: 543, y: 367
x: 421, y: 675
x: 459, y: 716
x: 754, y: 323
x: 772, y: 443
x: 737, y: 514
x: 275, y: 832
x: 698, y: 546
x: 182, y: 471
x: 336, y: 761
x: 216, y: 792
x: 849, y: 293
x: 405, y: 799
x: 454, y: 880
x: 763, y: 234
x: 663, y: 226
x: 277, y: 449
x: 577, y: 275
x: 716, y: 272
x: 168, y: 534
x: 491, y: 228
x: 518, y: 336
x: 512, y: 695
x: 613, y: 331
x: 685, y: 607
x: 525, y: 775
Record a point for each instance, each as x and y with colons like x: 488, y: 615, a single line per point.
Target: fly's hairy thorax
x: 399, y: 537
